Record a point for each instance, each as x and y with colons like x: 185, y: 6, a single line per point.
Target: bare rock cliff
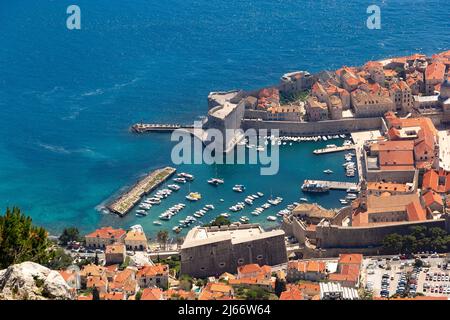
x: 31, y: 281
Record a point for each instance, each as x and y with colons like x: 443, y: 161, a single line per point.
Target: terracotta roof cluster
x: 389, y: 187
x: 349, y: 266
x: 430, y: 198
x: 268, y: 97
x: 252, y: 270
x: 216, y: 291
x: 424, y: 144
x: 308, y: 266
x: 293, y: 292
x: 152, y: 271
x: 152, y: 294
x: 115, y: 249
x: 437, y: 181
x: 435, y: 71
x: 107, y: 233
x: 125, y: 281
x: 173, y: 294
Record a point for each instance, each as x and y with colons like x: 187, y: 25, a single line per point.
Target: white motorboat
x: 180, y: 180
x: 187, y: 176
x: 248, y: 201
x: 215, y: 181
x: 271, y: 218
x: 157, y: 223
x: 328, y: 171
x: 304, y: 200
x: 244, y: 219
x: 260, y: 194
x: 239, y: 188
x: 174, y: 187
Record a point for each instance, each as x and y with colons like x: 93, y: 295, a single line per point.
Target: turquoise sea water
x: 68, y: 97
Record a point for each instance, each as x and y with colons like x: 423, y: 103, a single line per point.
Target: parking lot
x: 387, y: 277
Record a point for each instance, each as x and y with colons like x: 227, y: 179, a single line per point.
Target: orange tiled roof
x: 432, y: 197
x: 415, y: 211
x: 107, y: 233
x: 152, y: 294
x: 186, y: 295
x: 308, y: 266
x: 435, y: 71
x: 113, y: 296
x: 353, y: 258
x: 115, y: 248
x: 438, y: 181
x: 151, y: 271
x: 292, y: 292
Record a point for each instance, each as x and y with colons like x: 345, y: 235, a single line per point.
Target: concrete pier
x: 334, y: 185
x: 123, y: 204
x: 334, y: 149
x: 156, y: 127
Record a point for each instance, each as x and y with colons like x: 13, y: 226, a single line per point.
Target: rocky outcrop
x: 31, y: 281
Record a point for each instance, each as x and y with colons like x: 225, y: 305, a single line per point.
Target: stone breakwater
x: 128, y: 200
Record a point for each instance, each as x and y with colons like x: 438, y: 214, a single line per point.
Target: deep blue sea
x: 67, y: 97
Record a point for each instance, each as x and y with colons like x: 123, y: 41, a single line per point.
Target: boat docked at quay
x: 180, y: 180
x: 315, y: 187
x: 187, y: 176
x: 174, y: 187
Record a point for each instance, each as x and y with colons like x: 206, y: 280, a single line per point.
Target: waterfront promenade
x: 128, y: 200
x: 157, y: 127
x: 334, y: 185
x: 334, y: 149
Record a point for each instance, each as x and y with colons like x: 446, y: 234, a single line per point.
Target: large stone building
x: 155, y: 275
x: 434, y: 76
x: 211, y: 251
x: 366, y: 104
x: 102, y: 237
x: 294, y: 82
x: 401, y: 94
x: 136, y: 240
x: 316, y: 110
x: 226, y: 112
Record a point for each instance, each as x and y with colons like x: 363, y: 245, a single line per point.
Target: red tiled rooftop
x: 415, y: 212
x: 107, y: 233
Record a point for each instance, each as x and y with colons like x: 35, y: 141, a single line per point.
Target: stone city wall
x: 359, y: 237
x: 315, y: 128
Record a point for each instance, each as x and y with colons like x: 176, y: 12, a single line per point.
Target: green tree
x: 219, y: 221
x: 163, y: 236
x: 393, y: 243
x: 256, y: 293
x: 280, y: 286
x: 21, y: 241
x: 59, y: 260
x: 68, y: 235
x: 186, y: 282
